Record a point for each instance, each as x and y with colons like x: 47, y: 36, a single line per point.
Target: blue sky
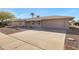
x: 25, y: 12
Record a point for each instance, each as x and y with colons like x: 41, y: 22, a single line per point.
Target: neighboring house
x: 60, y: 22
x: 17, y: 23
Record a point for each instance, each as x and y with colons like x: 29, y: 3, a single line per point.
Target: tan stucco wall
x: 33, y: 25
x: 28, y: 24
x: 36, y: 24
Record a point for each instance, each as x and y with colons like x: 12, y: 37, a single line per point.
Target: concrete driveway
x: 10, y: 43
x: 42, y: 39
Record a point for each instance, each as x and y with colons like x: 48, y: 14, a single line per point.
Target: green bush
x: 3, y: 24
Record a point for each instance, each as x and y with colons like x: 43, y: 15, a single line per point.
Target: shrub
x: 76, y: 23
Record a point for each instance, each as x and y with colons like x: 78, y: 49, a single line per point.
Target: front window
x: 39, y: 22
x: 33, y: 22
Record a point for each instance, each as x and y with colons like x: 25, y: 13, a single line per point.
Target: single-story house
x: 60, y: 22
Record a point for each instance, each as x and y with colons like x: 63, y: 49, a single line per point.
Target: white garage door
x: 54, y: 24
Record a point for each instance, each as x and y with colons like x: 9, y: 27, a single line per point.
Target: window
x: 39, y: 22
x: 33, y: 22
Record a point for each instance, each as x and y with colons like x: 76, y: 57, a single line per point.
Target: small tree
x: 4, y: 16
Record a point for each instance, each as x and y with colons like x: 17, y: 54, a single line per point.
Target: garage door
x: 54, y: 24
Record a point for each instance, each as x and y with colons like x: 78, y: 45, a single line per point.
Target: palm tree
x: 32, y: 14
